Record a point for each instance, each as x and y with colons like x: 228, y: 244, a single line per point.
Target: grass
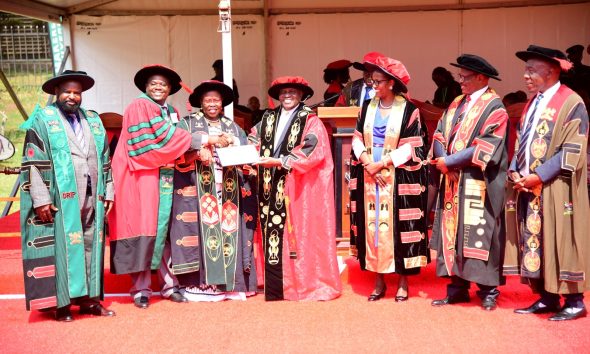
x: 10, y: 119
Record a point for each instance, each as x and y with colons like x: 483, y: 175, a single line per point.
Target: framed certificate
x: 238, y: 155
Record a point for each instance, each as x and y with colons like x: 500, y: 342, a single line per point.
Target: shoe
x: 96, y: 310
x: 399, y: 298
x: 537, y: 308
x: 451, y: 300
x: 63, y: 314
x: 569, y: 313
x: 143, y: 302
x: 204, y: 293
x: 177, y: 297
x: 489, y: 304
x: 376, y: 297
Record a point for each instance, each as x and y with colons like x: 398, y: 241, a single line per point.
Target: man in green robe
x: 66, y: 190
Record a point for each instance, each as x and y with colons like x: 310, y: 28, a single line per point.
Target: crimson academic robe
x: 297, y: 213
x: 143, y: 185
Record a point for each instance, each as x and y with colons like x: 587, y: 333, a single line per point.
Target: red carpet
x: 346, y: 325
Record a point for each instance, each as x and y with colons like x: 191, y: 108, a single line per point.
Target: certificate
x: 238, y: 155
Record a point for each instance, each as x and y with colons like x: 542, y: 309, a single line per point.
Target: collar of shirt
x: 474, y: 97
x: 549, y: 93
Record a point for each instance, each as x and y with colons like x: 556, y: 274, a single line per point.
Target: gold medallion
x: 533, y: 223
x: 532, y: 262
x: 459, y: 145
x: 538, y: 148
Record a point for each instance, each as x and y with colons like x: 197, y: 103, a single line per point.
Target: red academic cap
x: 370, y: 57
x: 393, y: 68
x: 297, y: 82
x: 339, y: 65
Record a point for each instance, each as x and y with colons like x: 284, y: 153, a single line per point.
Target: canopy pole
x: 225, y: 25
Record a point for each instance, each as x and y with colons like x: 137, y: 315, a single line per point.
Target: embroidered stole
x: 531, y: 230
x: 380, y: 252
x: 68, y: 223
x: 272, y: 198
x: 468, y: 130
x: 220, y: 219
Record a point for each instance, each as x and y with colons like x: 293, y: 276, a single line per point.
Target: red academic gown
x: 143, y: 185
x: 308, y: 238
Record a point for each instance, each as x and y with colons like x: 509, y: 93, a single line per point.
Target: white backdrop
x: 113, y: 48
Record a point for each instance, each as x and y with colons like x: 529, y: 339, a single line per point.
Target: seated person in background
x: 254, y: 106
x: 336, y: 75
x: 447, y: 88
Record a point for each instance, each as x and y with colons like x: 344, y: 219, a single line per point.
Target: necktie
x: 524, y: 137
x: 368, y: 93
x: 77, y: 128
x: 166, y: 113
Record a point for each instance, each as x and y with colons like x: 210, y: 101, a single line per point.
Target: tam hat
x: 394, y: 69
x: 227, y: 94
x: 297, y: 82
x: 68, y: 75
x: 142, y: 76
x: 368, y: 58
x: 477, y: 64
x: 338, y: 65
x: 547, y: 54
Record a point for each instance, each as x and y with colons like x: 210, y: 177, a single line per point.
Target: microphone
x: 324, y: 101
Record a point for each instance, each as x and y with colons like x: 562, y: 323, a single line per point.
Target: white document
x: 238, y: 155
x: 401, y: 155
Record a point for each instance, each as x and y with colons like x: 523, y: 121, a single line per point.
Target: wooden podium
x: 340, y: 123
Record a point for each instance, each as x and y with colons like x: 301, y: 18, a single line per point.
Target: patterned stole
x: 71, y: 269
x: 380, y: 252
x: 463, y: 138
x: 531, y: 230
x: 272, y: 199
x: 220, y: 219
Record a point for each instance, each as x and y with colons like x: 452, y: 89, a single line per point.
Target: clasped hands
x: 441, y: 165
x: 374, y: 169
x: 205, y: 154
x: 525, y: 184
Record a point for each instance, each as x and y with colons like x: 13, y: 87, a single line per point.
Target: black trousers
x: 460, y: 287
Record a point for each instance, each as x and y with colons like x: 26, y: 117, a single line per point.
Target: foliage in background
x: 29, y: 97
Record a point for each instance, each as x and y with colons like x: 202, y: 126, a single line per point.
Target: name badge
x: 174, y: 117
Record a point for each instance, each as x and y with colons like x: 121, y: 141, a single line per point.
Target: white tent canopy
x: 111, y: 40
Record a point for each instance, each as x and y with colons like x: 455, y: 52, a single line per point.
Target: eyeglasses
x: 462, y: 78
x: 377, y: 82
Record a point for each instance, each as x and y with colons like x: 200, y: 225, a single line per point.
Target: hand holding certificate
x: 238, y: 155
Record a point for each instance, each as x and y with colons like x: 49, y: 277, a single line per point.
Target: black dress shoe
x: 399, y: 298
x: 63, y: 314
x: 569, y: 313
x: 376, y: 297
x: 96, y: 310
x: 538, y: 307
x: 450, y: 300
x: 488, y: 304
x: 143, y: 302
x: 177, y: 297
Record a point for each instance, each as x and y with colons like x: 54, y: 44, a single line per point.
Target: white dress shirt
x: 547, y: 96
